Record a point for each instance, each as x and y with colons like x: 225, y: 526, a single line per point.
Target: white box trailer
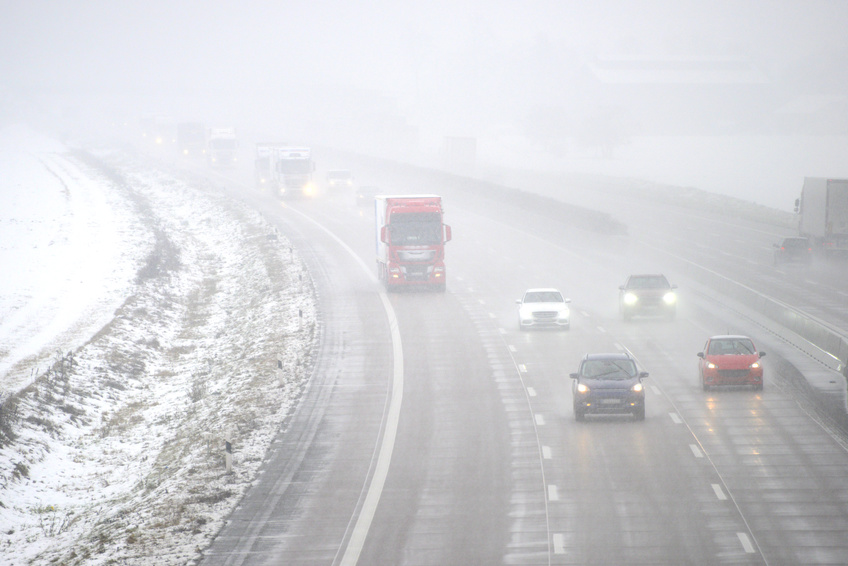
x: 823, y: 214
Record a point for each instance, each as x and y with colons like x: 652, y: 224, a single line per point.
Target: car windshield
x: 543, y: 297
x: 731, y: 347
x: 648, y: 282
x: 339, y: 175
x: 609, y: 369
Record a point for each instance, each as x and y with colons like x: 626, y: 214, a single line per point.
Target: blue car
x: 608, y: 383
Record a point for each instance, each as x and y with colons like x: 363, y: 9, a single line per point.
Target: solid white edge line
x: 381, y: 470
x: 387, y: 445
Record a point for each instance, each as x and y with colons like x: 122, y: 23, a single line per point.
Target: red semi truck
x: 411, y: 237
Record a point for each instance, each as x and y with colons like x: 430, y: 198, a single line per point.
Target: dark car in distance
x: 608, y: 384
x: 648, y: 294
x: 793, y: 250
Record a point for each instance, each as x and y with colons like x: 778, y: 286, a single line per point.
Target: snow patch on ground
x: 116, y: 453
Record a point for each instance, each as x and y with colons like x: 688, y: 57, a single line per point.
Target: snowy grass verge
x: 115, y: 455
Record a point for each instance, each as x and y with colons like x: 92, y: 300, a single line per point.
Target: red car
x: 730, y: 360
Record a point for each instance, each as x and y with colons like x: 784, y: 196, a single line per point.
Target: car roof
x: 609, y: 356
x: 541, y: 290
x: 646, y: 275
x: 730, y: 337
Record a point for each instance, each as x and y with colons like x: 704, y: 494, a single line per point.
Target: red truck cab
x: 411, y: 237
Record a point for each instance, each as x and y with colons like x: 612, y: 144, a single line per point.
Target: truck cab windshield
x: 416, y: 229
x: 295, y: 166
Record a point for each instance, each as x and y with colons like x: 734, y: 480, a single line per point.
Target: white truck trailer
x: 823, y: 215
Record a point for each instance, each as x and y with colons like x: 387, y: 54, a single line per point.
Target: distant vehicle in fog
x: 339, y: 180
x: 263, y: 163
x: 544, y: 307
x: 365, y: 195
x: 823, y: 215
x: 730, y: 360
x: 793, y: 250
x: 649, y: 294
x: 608, y: 383
x: 222, y: 147
x: 191, y: 139
x: 292, y: 171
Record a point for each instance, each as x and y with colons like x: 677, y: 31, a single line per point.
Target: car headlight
x: 630, y: 299
x: 755, y: 365
x: 669, y: 298
x: 711, y: 365
x: 582, y: 388
x: 637, y: 388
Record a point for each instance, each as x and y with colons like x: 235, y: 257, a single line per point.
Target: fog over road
x: 489, y: 465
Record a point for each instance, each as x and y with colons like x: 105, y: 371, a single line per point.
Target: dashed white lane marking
x: 512, y: 348
x: 601, y: 330
x: 553, y: 493
x: 619, y: 346
x: 559, y: 543
x: 481, y: 301
x: 531, y: 392
x: 676, y: 418
x: 540, y: 419
x: 719, y: 492
x: 522, y: 368
x: 493, y: 315
x: 546, y: 452
x: 656, y: 390
x: 584, y: 313
x: 696, y: 451
x: 502, y: 330
x: 746, y: 543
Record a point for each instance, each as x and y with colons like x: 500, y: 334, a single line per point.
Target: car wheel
x: 639, y: 415
x: 579, y: 416
x: 704, y: 385
x: 758, y: 387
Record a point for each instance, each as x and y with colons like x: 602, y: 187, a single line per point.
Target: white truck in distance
x: 292, y: 170
x: 823, y: 215
x: 221, y: 147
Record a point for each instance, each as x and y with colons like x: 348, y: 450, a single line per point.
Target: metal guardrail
x: 824, y: 336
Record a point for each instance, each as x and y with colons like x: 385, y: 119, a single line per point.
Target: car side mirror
x: 643, y: 374
x: 622, y: 287
x: 574, y: 376
x: 762, y: 354
x: 674, y: 286
x: 700, y: 354
x: 517, y: 301
x: 568, y: 300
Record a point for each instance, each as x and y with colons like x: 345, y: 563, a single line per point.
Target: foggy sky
x: 446, y: 68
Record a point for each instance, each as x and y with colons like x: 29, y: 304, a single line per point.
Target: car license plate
x: 610, y: 401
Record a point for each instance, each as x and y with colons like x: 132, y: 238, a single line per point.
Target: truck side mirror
x: 797, y: 205
x: 384, y: 233
x: 447, y: 233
